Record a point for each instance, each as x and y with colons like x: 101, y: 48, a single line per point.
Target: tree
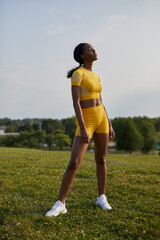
x: 69, y: 126
x: 9, y: 129
x: 25, y: 127
x: 8, y: 141
x: 40, y: 135
x: 5, y: 121
x: 49, y: 140
x: 30, y: 139
x: 148, y: 131
x: 61, y: 140
x: 157, y: 124
x: 36, y: 126
x: 127, y: 135
x: 51, y: 125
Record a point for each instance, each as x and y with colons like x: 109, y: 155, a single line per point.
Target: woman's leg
x: 78, y: 151
x: 101, y: 145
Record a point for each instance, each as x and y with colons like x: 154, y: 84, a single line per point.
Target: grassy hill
x: 30, y: 181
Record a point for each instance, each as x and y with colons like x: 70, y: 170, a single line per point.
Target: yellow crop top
x: 89, y: 83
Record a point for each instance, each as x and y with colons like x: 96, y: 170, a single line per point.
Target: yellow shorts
x: 95, y: 120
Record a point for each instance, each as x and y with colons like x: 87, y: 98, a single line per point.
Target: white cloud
x: 109, y: 25
x: 54, y: 30
x: 76, y: 17
x: 98, y: 36
x: 117, y: 18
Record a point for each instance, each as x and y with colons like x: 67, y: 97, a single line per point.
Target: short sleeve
x: 76, y: 79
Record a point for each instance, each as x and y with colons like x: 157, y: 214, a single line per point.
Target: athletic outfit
x: 95, y: 118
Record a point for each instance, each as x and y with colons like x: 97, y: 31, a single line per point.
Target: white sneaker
x: 58, y: 208
x: 102, y: 202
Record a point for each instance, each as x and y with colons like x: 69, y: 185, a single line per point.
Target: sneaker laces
x: 56, y: 204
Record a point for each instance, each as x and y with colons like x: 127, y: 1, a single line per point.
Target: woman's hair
x: 77, y: 57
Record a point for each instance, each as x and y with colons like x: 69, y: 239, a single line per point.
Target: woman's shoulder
x: 82, y: 72
x: 79, y: 72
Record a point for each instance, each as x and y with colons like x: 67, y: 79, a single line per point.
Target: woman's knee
x: 101, y: 160
x: 74, y: 163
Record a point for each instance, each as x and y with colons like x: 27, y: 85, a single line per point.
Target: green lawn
x: 30, y: 182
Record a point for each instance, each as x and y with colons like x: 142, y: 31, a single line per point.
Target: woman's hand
x: 111, y: 133
x: 84, y: 136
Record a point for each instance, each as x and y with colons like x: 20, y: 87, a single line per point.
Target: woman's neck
x: 88, y: 65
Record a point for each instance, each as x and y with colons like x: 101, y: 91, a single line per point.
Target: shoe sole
x: 56, y: 214
x: 103, y: 208
x: 64, y: 211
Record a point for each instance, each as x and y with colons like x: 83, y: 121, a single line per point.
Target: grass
x: 30, y: 181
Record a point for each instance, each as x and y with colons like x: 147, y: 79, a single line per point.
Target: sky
x: 36, y: 51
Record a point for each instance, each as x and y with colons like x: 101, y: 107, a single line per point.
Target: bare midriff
x: 90, y: 103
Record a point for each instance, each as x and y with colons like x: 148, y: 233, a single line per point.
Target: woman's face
x: 89, y: 53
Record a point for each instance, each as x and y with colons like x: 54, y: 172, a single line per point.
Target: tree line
x: 138, y: 133
x: 132, y: 134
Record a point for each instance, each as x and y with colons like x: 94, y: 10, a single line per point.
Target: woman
x: 91, y: 120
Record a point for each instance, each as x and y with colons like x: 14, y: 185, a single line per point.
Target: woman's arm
x: 78, y: 112
x: 111, y: 131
